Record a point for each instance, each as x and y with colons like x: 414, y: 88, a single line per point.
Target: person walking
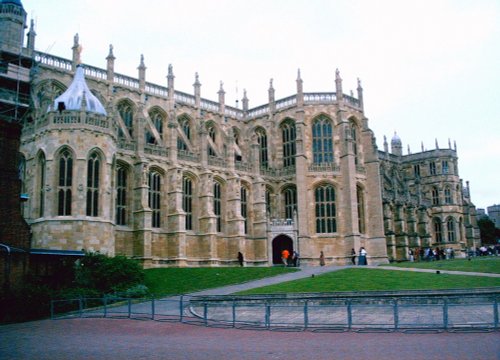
x: 353, y: 256
x: 284, y: 257
x: 322, y: 259
x: 240, y: 258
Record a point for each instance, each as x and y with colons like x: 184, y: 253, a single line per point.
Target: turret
x: 12, y: 25
x: 396, y: 145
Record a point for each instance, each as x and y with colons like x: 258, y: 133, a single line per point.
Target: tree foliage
x: 107, y: 274
x: 487, y: 230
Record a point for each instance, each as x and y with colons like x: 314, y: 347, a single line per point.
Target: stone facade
x: 174, y: 179
x: 425, y: 202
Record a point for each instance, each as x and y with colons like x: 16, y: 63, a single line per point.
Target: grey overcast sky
x: 430, y: 69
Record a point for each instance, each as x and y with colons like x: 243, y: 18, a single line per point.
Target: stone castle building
x: 120, y: 165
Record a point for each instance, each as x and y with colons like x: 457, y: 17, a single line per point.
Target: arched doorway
x: 281, y: 243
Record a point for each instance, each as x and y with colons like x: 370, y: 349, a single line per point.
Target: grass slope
x: 356, y: 279
x: 168, y: 281
x: 479, y: 264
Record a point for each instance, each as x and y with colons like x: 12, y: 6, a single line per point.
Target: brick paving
x: 104, y: 339
x: 98, y: 338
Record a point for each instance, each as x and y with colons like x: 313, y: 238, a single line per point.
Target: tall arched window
x: 212, y: 135
x: 157, y: 120
x: 127, y: 115
x: 354, y: 138
x: 268, y: 202
x: 65, y: 183
x: 262, y: 140
x: 435, y: 196
x: 187, y: 202
x: 185, y: 129
x: 154, y: 198
x: 450, y: 226
x: 290, y: 196
x: 41, y: 184
x: 121, y: 195
x: 438, y: 233
x: 244, y: 207
x: 325, y: 209
x: 447, y: 195
x: 288, y: 133
x: 322, y: 140
x: 218, y: 205
x: 361, y: 209
x: 93, y: 166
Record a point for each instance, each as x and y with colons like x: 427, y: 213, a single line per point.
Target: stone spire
x: 222, y: 97
x: 110, y: 64
x: 197, y: 89
x: 338, y: 85
x: 300, y: 89
x: 244, y: 101
x: 170, y: 81
x: 77, y: 51
x: 142, y: 74
x: 31, y: 36
x: 360, y: 94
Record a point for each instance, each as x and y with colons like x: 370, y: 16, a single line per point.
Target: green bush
x: 107, y: 274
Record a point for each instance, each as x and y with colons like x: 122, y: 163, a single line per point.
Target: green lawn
x: 376, y: 279
x: 478, y: 264
x: 185, y: 280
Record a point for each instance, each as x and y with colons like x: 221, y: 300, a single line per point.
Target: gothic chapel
x: 126, y: 167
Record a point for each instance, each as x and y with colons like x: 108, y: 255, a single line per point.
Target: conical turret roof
x: 73, y: 97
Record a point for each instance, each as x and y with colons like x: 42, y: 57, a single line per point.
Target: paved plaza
x: 111, y: 338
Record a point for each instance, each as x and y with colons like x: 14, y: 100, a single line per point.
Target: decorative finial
x: 337, y: 74
x: 271, y: 83
x: 298, y: 74
x: 437, y: 146
x: 422, y: 145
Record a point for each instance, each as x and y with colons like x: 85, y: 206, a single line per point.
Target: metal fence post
x: 205, y: 311
x: 306, y: 315
x: 129, y: 310
x: 152, y: 307
x: 181, y: 308
x: 396, y: 314
x: 105, y: 300
x: 234, y: 312
x: 495, y: 313
x: 268, y: 315
x: 445, y: 313
x: 349, y: 314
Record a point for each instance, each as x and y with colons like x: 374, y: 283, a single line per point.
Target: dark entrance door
x: 281, y: 243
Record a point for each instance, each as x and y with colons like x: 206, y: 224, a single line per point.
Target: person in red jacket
x: 284, y: 256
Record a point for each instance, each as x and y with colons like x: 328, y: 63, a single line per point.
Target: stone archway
x: 280, y: 243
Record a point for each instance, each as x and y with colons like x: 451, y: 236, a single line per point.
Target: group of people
x: 361, y: 257
x: 430, y: 254
x: 290, y: 259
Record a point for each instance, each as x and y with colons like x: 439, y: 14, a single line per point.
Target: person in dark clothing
x: 353, y: 256
x: 240, y: 258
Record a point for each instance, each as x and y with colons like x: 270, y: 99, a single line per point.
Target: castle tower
x: 12, y: 25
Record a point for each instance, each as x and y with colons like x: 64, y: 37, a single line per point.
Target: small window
x: 432, y: 168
